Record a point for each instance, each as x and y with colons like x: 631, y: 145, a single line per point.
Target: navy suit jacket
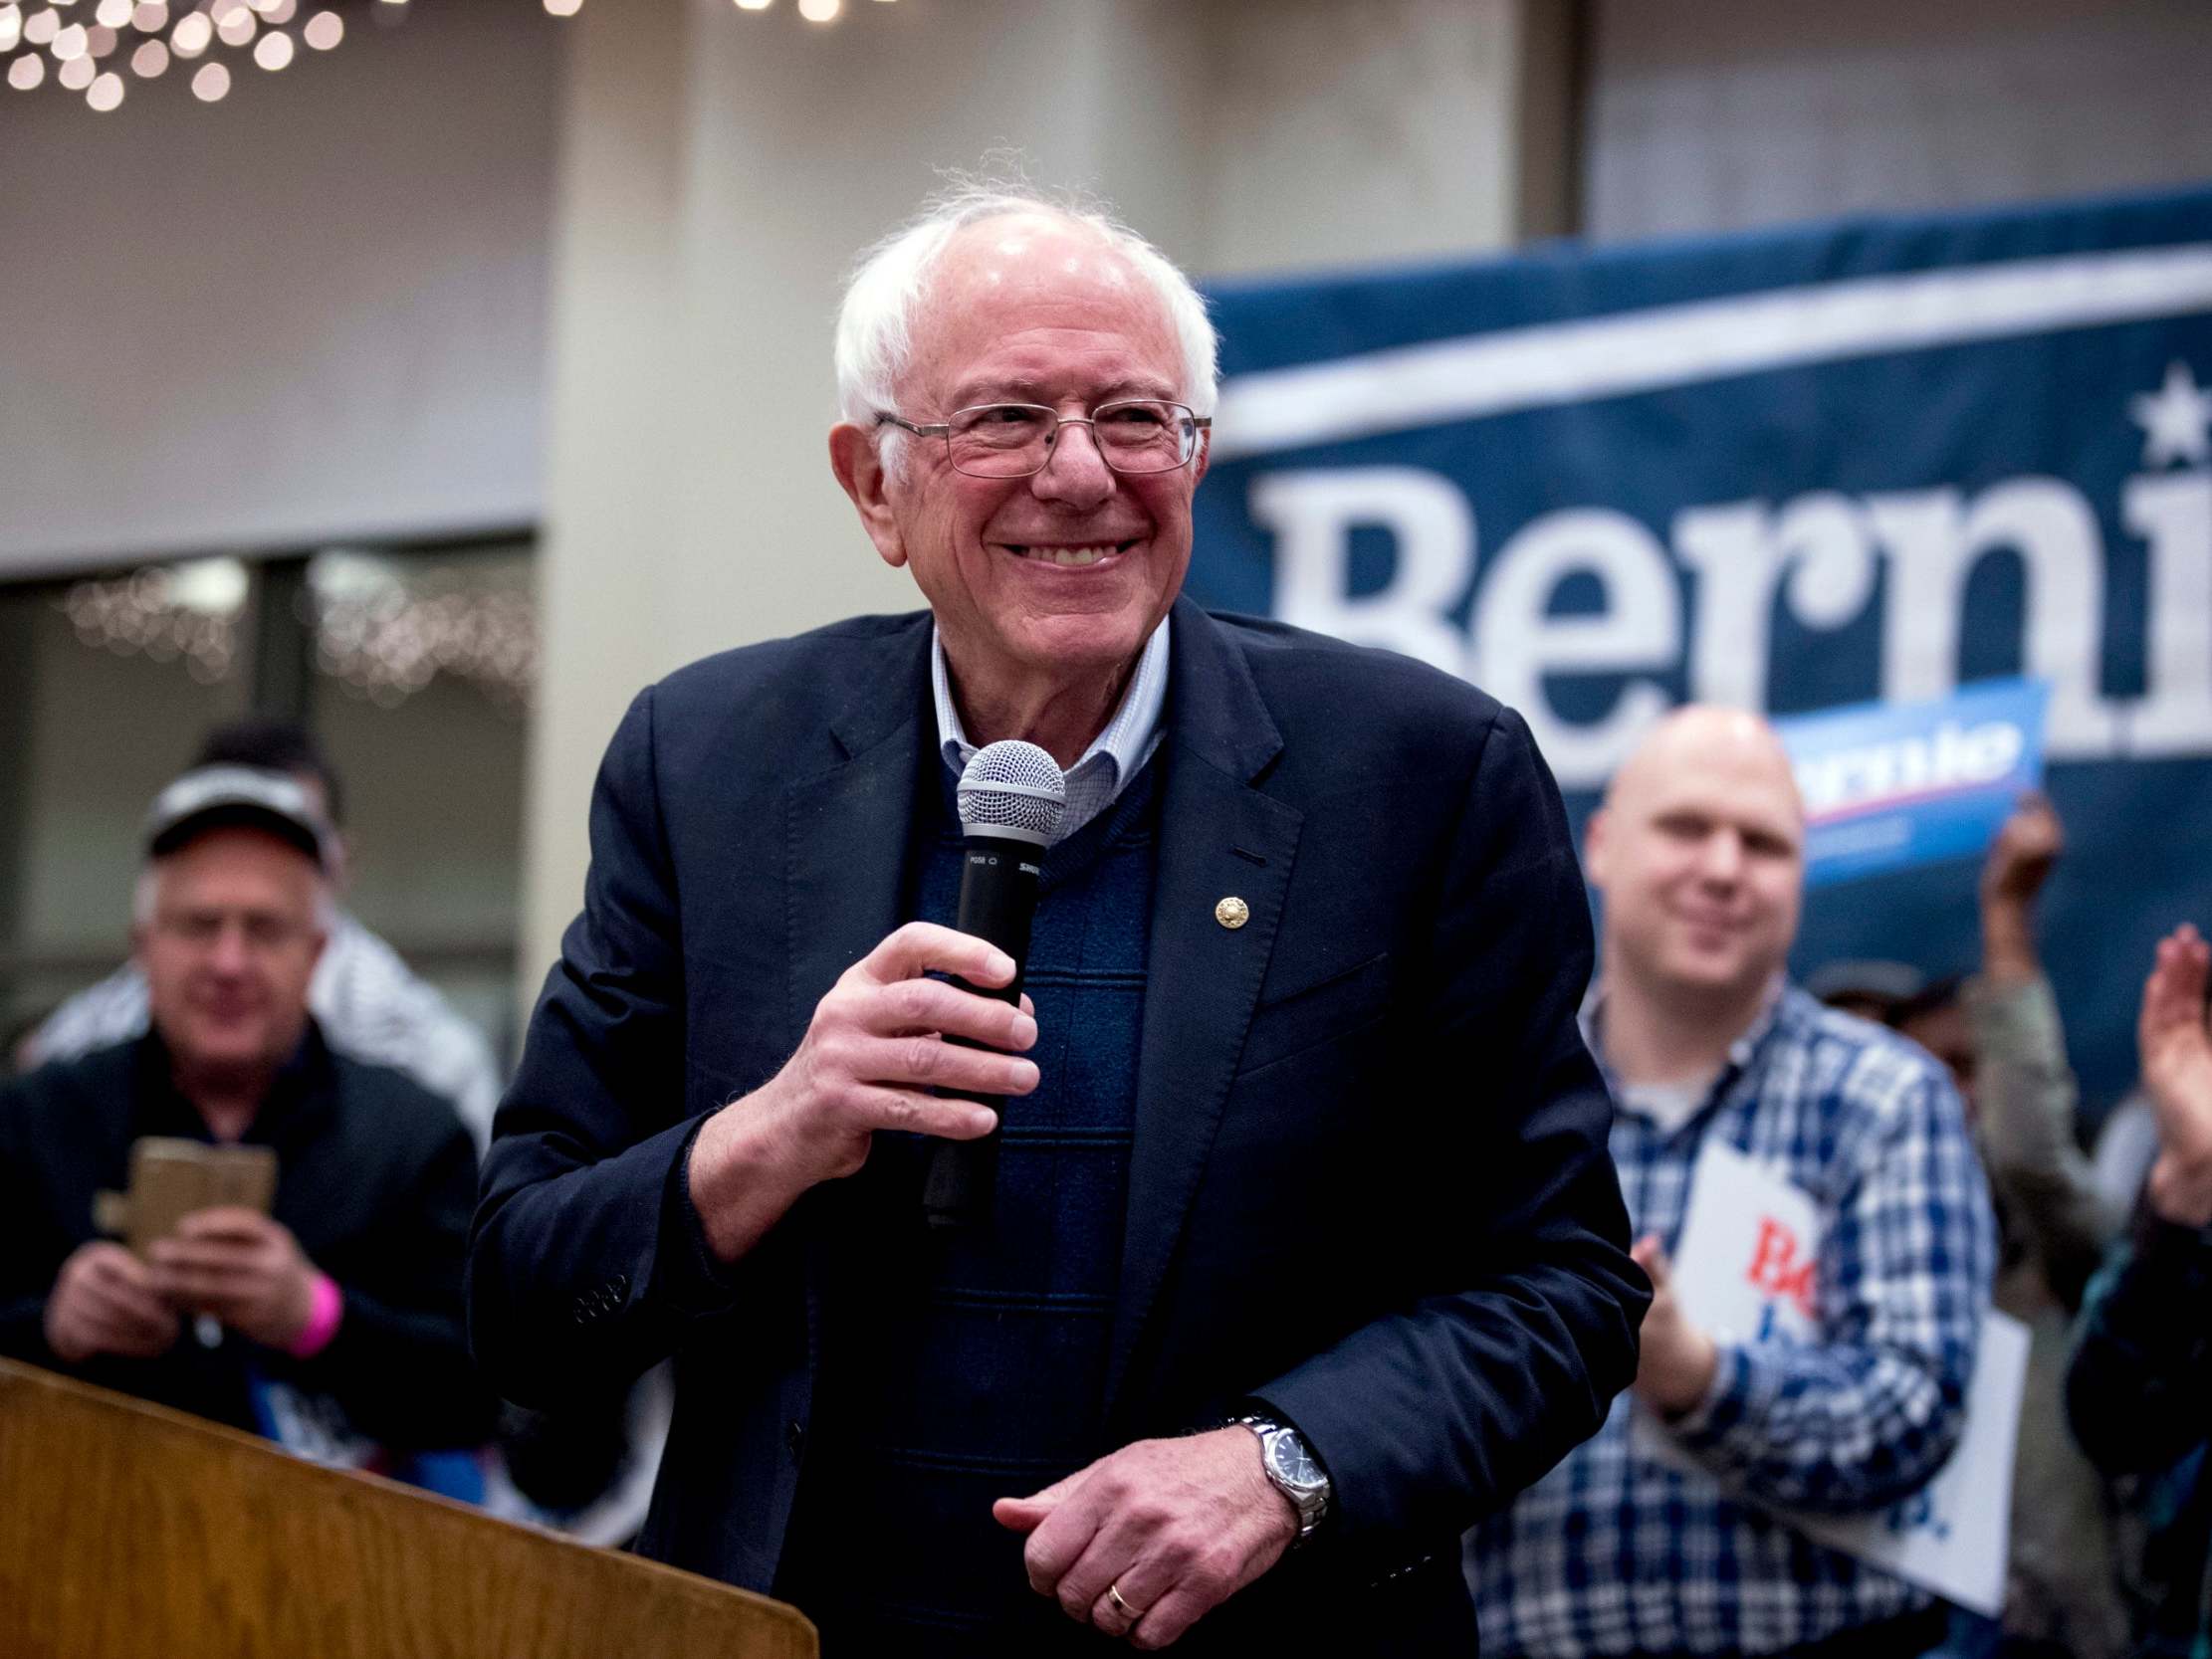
x: 1369, y: 1184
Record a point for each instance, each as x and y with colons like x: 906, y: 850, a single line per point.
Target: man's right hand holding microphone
x: 873, y: 1058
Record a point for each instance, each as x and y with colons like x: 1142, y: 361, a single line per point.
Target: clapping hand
x: 2176, y: 1056
x: 1676, y: 1358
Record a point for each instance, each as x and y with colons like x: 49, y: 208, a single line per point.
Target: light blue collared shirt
x: 1115, y: 755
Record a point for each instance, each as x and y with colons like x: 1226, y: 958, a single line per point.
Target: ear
x: 1594, y: 849
x: 853, y: 457
x: 1201, y: 461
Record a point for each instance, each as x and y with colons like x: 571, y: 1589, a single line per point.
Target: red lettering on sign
x: 1775, y: 1269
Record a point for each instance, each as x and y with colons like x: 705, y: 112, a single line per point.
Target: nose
x: 1074, y: 473
x: 230, y: 954
x: 1723, y: 862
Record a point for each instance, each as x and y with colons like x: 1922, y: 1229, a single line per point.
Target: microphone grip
x: 997, y: 902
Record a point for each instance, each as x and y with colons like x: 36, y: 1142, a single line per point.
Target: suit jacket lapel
x: 846, y: 828
x: 1219, y: 838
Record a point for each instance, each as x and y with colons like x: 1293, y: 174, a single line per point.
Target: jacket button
x: 620, y: 1285
x: 581, y: 1309
x: 794, y: 1437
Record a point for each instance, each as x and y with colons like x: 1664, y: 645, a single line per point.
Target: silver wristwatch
x: 1283, y: 1455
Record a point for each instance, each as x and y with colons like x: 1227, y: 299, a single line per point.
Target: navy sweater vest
x: 958, y: 1369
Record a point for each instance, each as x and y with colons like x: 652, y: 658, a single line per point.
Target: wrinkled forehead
x: 1037, y: 285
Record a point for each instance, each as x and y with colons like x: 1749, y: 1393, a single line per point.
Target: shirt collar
x: 1740, y: 1053
x: 158, y: 1106
x: 1120, y: 747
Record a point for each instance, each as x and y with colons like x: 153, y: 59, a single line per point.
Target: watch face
x: 1292, y: 1462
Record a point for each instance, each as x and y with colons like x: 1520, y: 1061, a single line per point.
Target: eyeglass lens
x: 1012, y: 440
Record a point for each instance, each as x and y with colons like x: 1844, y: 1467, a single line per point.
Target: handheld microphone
x: 1011, y: 797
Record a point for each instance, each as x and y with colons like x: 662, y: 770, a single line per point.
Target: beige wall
x: 720, y: 169
x: 1734, y: 113
x: 315, y: 311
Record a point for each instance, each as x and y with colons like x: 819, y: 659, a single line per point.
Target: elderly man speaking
x: 1304, y: 1248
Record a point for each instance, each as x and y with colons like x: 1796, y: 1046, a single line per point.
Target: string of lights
x: 380, y: 638
x: 98, y: 48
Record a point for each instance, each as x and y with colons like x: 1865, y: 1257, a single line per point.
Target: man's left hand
x: 1174, y: 1527
x: 242, y: 1267
x: 1674, y: 1368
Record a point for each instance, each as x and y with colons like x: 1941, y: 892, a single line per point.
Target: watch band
x: 1311, y: 1502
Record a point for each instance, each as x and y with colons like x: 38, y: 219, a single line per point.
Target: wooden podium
x: 128, y: 1530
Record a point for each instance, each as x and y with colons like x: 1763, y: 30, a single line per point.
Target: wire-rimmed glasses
x: 1015, y: 440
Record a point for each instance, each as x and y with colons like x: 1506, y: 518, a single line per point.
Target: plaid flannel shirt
x: 1613, y: 1552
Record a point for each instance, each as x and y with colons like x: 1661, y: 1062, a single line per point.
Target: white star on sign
x: 2173, y: 419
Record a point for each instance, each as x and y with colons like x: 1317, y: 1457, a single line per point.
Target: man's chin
x: 225, y: 1053
x: 1719, y: 979
x: 1082, y: 645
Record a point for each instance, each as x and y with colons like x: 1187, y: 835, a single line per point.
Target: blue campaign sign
x: 1787, y: 472
x: 1893, y: 786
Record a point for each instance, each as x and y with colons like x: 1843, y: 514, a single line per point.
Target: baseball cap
x: 219, y: 798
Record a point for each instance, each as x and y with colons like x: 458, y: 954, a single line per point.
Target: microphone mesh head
x: 1013, y: 789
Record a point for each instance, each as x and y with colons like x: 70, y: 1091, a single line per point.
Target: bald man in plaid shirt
x: 1699, y: 852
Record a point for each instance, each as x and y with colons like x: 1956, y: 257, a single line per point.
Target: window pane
x: 428, y: 659
x: 426, y: 664
x: 109, y: 686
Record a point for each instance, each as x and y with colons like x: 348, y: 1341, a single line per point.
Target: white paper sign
x: 1745, y: 1273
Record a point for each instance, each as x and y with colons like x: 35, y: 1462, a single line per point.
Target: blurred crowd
x: 1929, y: 1116
x: 255, y: 1010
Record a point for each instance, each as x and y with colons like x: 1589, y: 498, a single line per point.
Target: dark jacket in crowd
x: 2140, y: 1398
x: 376, y: 1179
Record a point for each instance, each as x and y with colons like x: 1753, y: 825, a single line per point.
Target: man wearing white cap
x: 349, y: 1292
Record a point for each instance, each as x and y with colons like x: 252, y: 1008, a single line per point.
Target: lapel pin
x: 1232, y: 912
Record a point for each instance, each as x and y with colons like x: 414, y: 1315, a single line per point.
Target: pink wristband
x: 324, y: 1307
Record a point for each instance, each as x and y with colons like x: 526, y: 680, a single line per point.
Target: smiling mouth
x: 1068, y: 558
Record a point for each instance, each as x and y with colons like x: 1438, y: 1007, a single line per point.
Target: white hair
x: 875, y: 322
